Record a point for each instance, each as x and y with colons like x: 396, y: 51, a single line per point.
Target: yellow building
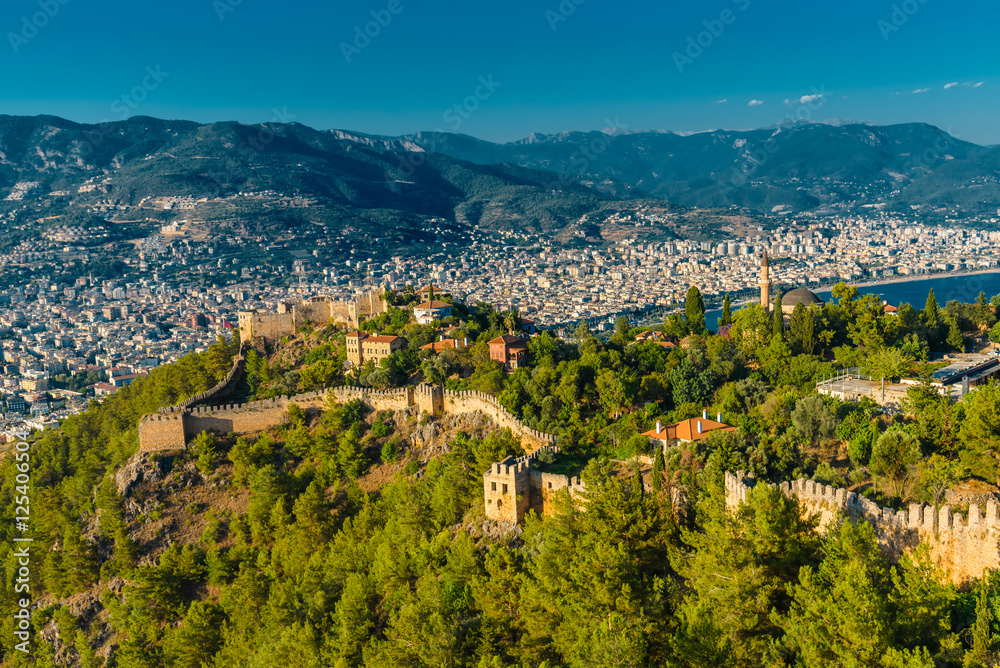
x: 362, y: 347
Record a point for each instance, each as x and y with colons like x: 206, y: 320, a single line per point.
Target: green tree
x: 937, y: 474
x: 813, y: 419
x: 955, y: 339
x: 727, y: 312
x: 694, y: 311
x: 622, y: 328
x: 350, y: 459
x: 983, y: 643
x: 801, y: 333
x: 889, y: 363
x: 656, y: 476
x: 777, y: 316
x: 840, y: 613
x: 892, y: 455
x: 931, y: 314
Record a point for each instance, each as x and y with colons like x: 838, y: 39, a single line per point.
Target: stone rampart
x: 963, y: 546
x: 256, y: 416
x: 512, y: 487
x: 222, y: 389
x: 161, y: 432
x: 470, y: 401
x: 270, y: 327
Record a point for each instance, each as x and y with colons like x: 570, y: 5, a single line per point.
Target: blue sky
x: 501, y: 70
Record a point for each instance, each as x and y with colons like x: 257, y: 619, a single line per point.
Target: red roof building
x: 510, y: 351
x: 687, y: 431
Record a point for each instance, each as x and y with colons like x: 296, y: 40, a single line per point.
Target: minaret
x: 765, y: 283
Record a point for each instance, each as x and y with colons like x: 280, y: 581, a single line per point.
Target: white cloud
x: 921, y: 90
x: 950, y: 85
x: 755, y: 103
x: 722, y: 101
x: 977, y: 84
x: 805, y: 99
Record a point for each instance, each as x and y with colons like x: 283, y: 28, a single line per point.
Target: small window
x: 505, y: 489
x: 494, y: 486
x: 550, y: 485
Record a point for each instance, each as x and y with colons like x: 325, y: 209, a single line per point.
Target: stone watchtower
x: 507, y: 488
x: 429, y: 399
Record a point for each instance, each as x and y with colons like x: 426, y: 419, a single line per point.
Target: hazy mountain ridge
x: 802, y: 165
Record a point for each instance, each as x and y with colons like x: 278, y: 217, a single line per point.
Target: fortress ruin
x: 512, y: 487
x: 268, y: 328
x: 963, y: 547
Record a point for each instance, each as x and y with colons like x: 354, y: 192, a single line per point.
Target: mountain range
x: 543, y: 184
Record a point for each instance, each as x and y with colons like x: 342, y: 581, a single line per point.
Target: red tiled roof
x: 433, y: 304
x: 509, y: 340
x: 687, y: 430
x: 438, y: 346
x: 381, y: 339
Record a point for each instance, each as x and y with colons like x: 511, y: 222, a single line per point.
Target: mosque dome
x: 800, y: 296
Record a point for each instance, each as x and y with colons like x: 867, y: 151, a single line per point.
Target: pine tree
x: 982, y: 636
x: 658, y: 466
x: 932, y: 318
x: 694, y: 311
x: 955, y: 339
x: 349, y: 456
x: 727, y: 312
x: 778, y: 318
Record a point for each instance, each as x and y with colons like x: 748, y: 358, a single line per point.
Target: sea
x: 961, y: 287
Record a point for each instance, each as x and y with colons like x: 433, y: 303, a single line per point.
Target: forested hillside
x: 346, y: 537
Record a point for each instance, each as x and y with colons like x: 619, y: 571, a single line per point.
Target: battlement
x: 270, y: 327
x: 964, y: 545
x: 533, y: 489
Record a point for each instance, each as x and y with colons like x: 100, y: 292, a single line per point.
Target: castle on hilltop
x: 268, y: 328
x: 963, y: 547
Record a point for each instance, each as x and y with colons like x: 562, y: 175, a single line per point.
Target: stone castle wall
x: 256, y: 416
x: 222, y: 389
x: 963, y: 546
x: 512, y: 487
x: 470, y: 401
x: 270, y: 327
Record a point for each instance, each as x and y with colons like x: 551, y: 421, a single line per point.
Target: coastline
x: 914, y: 278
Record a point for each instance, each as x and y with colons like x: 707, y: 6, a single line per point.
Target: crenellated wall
x: 964, y: 547
x: 222, y: 389
x: 469, y: 401
x: 512, y: 487
x: 256, y: 416
x: 268, y: 328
